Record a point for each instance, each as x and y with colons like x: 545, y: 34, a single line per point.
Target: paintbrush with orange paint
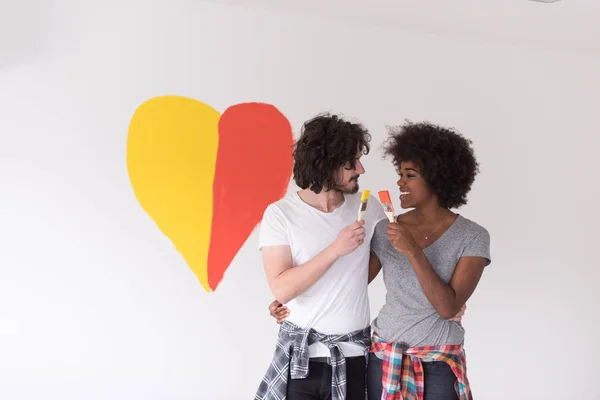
x: 386, y: 202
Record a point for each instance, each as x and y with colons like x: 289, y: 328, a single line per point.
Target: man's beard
x: 347, y: 189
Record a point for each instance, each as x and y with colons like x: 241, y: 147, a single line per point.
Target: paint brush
x: 364, y: 198
x: 386, y: 202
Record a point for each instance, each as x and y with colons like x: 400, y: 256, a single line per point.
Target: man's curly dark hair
x: 327, y: 142
x: 445, y: 157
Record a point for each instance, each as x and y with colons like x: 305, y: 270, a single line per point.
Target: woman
x: 432, y: 260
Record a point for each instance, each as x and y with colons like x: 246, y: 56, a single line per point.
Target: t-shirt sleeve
x: 379, y: 238
x: 273, y: 228
x: 376, y: 215
x: 379, y: 212
x: 479, y: 246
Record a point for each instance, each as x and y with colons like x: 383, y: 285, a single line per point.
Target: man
x: 316, y: 256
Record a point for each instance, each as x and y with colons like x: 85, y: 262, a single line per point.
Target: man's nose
x: 359, y: 168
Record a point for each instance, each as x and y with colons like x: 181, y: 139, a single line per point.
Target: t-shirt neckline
x: 337, y: 210
x: 454, y: 223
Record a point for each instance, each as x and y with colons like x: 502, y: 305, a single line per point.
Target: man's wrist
x: 332, y: 252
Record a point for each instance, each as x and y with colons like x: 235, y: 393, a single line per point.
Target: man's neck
x: 325, y: 201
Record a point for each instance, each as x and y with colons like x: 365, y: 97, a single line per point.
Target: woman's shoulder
x: 407, y: 218
x: 381, y: 225
x: 468, y: 226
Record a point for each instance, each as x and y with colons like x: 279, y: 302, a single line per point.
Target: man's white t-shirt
x: 338, y: 302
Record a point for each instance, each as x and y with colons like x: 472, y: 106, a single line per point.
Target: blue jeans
x: 438, y: 378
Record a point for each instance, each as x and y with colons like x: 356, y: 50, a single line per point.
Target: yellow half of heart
x: 171, y: 155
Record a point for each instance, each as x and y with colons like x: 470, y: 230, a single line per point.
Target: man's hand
x: 278, y: 311
x: 349, y: 238
x: 458, y: 317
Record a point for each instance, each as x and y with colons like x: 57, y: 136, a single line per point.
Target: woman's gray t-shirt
x: 407, y: 316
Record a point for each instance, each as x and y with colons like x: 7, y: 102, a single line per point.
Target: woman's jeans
x: 439, y: 380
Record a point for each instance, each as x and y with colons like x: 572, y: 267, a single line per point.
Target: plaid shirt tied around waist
x: 402, y: 375
x: 292, y: 357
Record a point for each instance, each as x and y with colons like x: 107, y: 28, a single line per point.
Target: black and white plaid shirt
x: 292, y: 357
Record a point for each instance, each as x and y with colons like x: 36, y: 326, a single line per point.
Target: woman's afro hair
x: 446, y: 159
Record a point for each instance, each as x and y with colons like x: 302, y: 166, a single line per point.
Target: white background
x: 95, y: 303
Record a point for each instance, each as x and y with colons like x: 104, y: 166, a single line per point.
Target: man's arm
x: 281, y: 312
x: 287, y: 283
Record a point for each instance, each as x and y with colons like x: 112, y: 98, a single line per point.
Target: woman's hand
x: 401, y: 238
x: 278, y: 311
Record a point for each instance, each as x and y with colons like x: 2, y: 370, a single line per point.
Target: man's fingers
x: 359, y: 236
x: 357, y: 224
x: 358, y: 231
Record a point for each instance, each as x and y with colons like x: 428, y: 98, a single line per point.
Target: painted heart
x: 206, y: 178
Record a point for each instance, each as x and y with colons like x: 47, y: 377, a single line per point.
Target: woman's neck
x: 431, y: 212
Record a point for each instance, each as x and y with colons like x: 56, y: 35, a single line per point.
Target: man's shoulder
x: 285, y: 207
x: 284, y: 203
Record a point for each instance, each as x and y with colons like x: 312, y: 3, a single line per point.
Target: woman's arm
x: 281, y: 312
x: 447, y: 299
x: 374, y: 267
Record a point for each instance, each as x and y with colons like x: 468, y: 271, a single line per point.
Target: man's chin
x: 352, y: 190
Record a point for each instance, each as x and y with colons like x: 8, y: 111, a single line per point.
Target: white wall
x: 95, y: 303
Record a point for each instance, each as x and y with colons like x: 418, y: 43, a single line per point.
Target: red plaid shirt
x: 403, y: 372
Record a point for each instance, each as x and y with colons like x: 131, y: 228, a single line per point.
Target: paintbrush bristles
x: 364, y: 198
x: 365, y: 195
x: 386, y: 202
